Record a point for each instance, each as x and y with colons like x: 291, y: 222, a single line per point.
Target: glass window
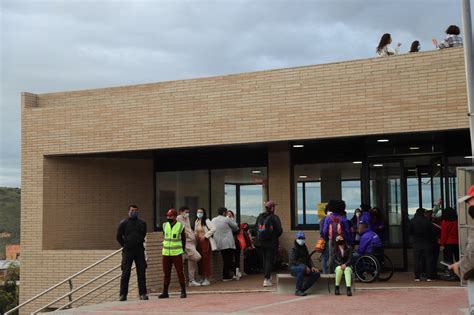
x: 426, y: 192
x: 413, y: 196
x: 316, y: 184
x: 242, y: 190
x: 351, y: 195
x: 176, y: 189
x: 251, y: 202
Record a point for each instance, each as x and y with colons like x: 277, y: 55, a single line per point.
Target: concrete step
x: 286, y: 284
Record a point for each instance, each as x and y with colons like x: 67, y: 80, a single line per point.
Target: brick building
x: 383, y: 131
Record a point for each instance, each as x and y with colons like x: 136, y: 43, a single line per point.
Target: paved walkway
x: 392, y: 301
x: 400, y: 295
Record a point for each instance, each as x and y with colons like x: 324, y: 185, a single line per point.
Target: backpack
x: 265, y: 228
x: 335, y: 228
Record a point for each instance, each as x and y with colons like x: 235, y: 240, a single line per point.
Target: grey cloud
x: 67, y: 45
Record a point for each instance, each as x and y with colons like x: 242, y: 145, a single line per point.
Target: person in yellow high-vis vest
x: 174, y: 244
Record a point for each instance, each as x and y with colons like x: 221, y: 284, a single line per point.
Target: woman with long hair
x: 204, y: 231
x: 342, y: 261
x: 383, y: 49
x: 415, y: 46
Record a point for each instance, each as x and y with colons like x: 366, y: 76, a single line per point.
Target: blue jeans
x: 324, y: 259
x: 299, y: 271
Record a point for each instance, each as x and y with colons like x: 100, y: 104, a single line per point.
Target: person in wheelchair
x: 343, y: 263
x: 370, y: 242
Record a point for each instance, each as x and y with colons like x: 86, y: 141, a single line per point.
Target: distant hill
x: 10, y: 199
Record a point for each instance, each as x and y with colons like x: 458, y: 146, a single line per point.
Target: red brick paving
x: 394, y: 301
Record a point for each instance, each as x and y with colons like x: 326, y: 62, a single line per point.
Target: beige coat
x: 467, y: 262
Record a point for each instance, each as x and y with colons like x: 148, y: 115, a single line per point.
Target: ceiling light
x: 357, y: 162
x: 303, y: 176
x: 412, y: 170
x: 469, y: 157
x: 378, y: 165
x: 414, y: 148
x: 256, y: 172
x: 438, y: 164
x: 383, y: 140
x: 298, y: 145
x: 425, y: 174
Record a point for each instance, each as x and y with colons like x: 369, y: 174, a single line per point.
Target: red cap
x: 270, y: 204
x: 172, y: 213
x: 469, y: 195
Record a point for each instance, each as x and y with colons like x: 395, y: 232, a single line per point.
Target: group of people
x: 343, y: 241
x: 429, y: 234
x: 182, y: 241
x: 452, y: 39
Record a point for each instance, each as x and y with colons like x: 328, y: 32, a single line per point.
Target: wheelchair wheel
x: 386, y: 269
x: 366, y: 268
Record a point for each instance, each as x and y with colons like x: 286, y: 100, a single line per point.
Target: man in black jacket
x: 421, y: 230
x: 301, y: 265
x: 131, y: 234
x: 268, y: 230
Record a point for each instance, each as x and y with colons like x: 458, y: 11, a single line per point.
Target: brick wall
x: 413, y: 92
x: 86, y: 198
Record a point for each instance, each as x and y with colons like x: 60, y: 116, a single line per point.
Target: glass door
x: 388, y: 193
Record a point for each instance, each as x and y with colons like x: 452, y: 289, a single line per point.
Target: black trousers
x: 267, y: 254
x: 237, y: 257
x: 129, y: 256
x: 423, y: 256
x: 450, y: 251
x: 227, y: 257
x: 434, y: 261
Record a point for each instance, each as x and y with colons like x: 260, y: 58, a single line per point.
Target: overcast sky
x: 59, y: 45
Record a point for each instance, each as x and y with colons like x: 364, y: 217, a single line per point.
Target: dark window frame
x: 209, y: 174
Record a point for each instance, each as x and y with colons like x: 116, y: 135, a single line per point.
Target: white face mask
x: 185, y: 215
x: 200, y: 215
x: 358, y: 214
x: 300, y: 242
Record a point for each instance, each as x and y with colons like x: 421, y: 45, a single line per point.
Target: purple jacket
x: 367, y: 218
x: 344, y: 224
x: 368, y: 240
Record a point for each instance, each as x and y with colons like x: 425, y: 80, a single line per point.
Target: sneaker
x: 194, y: 283
x: 238, y: 274
x: 300, y: 293
x: 267, y: 283
x: 228, y: 279
x: 144, y: 297
x: 429, y: 280
x: 205, y: 282
x: 417, y: 280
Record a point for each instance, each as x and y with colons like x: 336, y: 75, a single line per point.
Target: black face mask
x: 471, y: 211
x: 170, y: 221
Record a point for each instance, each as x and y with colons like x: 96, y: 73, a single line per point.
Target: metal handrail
x: 77, y: 289
x: 62, y: 282
x: 93, y: 290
